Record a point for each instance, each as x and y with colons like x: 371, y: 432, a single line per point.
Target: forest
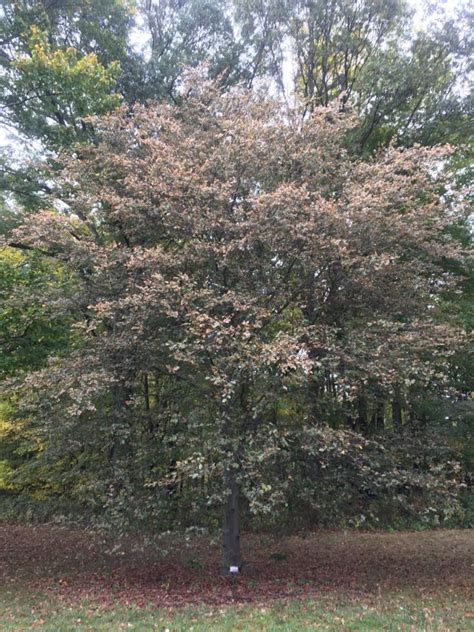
x: 236, y: 281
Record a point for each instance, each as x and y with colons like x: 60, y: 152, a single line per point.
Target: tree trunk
x: 146, y: 392
x: 231, y: 526
x: 315, y: 390
x: 378, y: 420
x: 350, y: 421
x: 362, y: 423
x: 396, y: 414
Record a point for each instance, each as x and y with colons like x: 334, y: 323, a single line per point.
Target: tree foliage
x: 59, y: 64
x: 230, y: 261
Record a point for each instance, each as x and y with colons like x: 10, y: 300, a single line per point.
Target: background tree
x: 178, y: 35
x: 409, y: 84
x: 59, y: 64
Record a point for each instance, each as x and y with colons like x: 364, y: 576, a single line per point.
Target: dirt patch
x: 76, y: 565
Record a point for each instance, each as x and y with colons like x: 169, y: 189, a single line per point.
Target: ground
x: 57, y: 578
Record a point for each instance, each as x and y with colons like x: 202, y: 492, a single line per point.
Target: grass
x: 58, y: 579
x: 401, y: 613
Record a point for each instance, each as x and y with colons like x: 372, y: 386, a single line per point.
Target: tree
x: 179, y: 35
x: 28, y: 334
x: 59, y: 64
x: 239, y: 253
x: 52, y: 76
x: 408, y: 84
x: 54, y: 90
x: 335, y: 39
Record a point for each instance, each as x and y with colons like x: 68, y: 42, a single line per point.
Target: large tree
x: 409, y: 82
x: 237, y: 254
x: 62, y: 61
x: 59, y: 63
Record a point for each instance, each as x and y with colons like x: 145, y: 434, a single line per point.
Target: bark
x: 350, y: 422
x: 146, y: 392
x: 231, y: 527
x: 396, y: 414
x: 378, y: 420
x: 362, y: 422
x: 397, y: 409
x: 315, y: 390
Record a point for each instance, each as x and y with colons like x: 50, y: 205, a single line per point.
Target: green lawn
x: 289, y: 616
